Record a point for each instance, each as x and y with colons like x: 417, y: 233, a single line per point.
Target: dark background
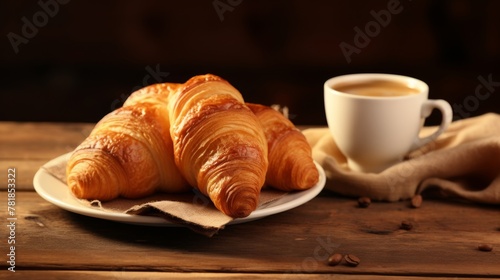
x: 87, y: 57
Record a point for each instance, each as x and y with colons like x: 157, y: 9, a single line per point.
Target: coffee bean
x: 406, y: 225
x: 416, y: 201
x: 335, y: 259
x: 485, y: 247
x: 352, y: 260
x: 364, y: 202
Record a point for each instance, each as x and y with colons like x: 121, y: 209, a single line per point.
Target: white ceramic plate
x: 57, y: 193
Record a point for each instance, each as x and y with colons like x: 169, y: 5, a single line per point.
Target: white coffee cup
x: 375, y: 131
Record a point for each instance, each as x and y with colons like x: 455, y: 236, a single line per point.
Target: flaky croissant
x: 291, y: 166
x: 219, y: 146
x: 129, y: 152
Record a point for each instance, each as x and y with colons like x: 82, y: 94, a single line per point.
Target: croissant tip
x: 78, y: 187
x: 242, y: 203
x: 76, y: 180
x: 75, y: 189
x: 87, y: 181
x: 242, y: 212
x: 311, y: 178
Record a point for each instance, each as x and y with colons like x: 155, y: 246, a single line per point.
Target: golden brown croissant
x: 291, y: 166
x: 219, y: 146
x: 129, y: 153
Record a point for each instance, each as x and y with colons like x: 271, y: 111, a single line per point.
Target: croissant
x: 291, y: 166
x: 129, y: 152
x: 219, y: 145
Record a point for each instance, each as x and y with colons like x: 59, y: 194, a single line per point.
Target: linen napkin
x: 193, y: 210
x: 464, y: 163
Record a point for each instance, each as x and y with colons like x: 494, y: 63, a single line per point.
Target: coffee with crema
x: 374, y: 88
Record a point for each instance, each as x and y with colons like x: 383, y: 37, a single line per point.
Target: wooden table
x: 52, y: 243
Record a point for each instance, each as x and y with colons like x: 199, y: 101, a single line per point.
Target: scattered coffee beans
x: 352, y: 260
x: 406, y: 225
x: 416, y: 201
x: 485, y: 247
x: 335, y: 259
x: 364, y: 202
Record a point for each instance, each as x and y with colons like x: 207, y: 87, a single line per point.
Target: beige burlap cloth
x: 464, y: 162
x: 193, y: 209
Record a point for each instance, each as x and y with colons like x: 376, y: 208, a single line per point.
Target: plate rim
x: 42, y: 175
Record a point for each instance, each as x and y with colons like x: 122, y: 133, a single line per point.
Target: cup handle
x: 446, y: 113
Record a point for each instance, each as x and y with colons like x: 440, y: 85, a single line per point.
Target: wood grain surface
x: 59, y: 244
